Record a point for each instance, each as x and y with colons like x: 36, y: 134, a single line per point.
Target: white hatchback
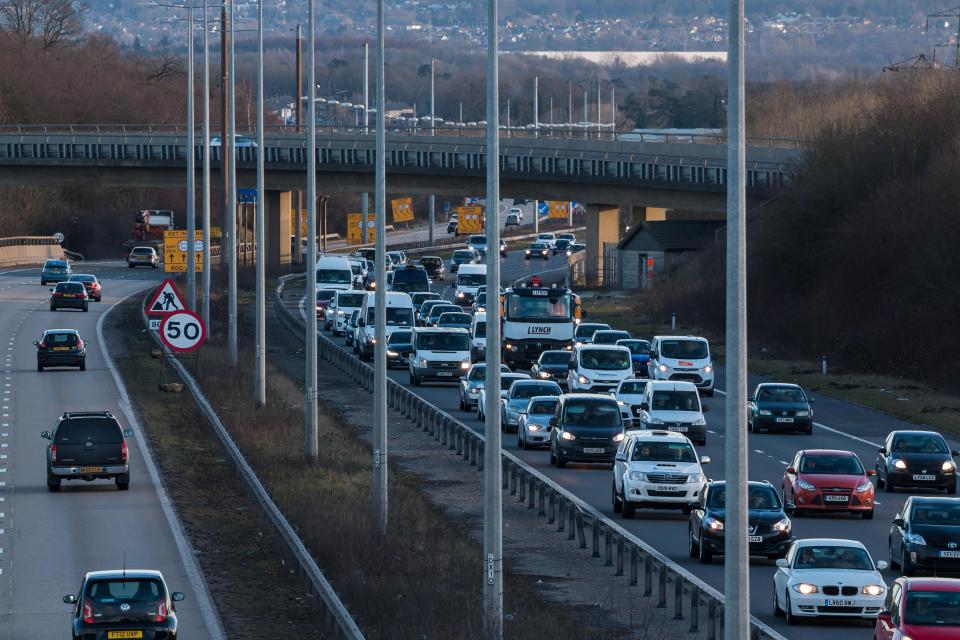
x: 828, y: 577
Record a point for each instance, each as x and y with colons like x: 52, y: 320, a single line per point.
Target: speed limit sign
x: 182, y: 331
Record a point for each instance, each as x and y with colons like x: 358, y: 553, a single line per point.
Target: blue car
x: 55, y: 271
x: 639, y: 354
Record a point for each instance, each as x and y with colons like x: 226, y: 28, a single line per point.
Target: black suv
x: 61, y: 348
x: 768, y: 526
x: 916, y: 459
x: 69, y: 295
x: 124, y: 603
x: 86, y: 446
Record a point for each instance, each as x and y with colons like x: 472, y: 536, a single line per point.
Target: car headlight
x: 782, y: 526
x: 465, y: 365
x: 700, y: 422
x: 806, y: 486
x: 527, y: 252
x: 618, y: 437
x: 805, y: 588
x: 569, y: 253
x: 621, y: 403
x: 583, y: 380
x: 637, y: 476
x: 475, y: 390
x: 544, y: 375
x: 655, y: 420
x: 569, y: 347
x: 340, y: 313
x: 423, y: 362
x: 708, y: 369
x: 481, y: 309
x: 713, y: 524
x: 765, y: 412
x: 392, y: 353
x: 663, y: 368
x: 899, y: 464
x: 916, y: 538
x: 566, y: 435
x: 873, y: 590
x: 695, y: 478
x: 864, y: 486
x: 949, y: 466
x: 510, y: 347
x: 803, y: 414
x: 533, y: 427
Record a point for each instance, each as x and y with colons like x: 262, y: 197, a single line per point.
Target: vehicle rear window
x: 82, y: 278
x: 70, y: 287
x: 92, y: 429
x: 124, y: 590
x: 143, y: 252
x: 57, y: 339
x: 55, y: 263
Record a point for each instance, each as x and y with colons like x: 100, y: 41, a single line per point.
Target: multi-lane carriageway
x: 839, y: 425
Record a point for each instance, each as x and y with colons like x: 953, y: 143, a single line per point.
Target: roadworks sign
x: 166, y: 300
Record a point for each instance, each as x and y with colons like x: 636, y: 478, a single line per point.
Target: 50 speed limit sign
x: 182, y: 331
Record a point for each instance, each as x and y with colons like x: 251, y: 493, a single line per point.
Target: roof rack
x: 87, y: 414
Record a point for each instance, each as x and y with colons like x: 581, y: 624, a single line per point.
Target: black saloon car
x: 69, y: 295
x: 551, y: 365
x: 926, y: 535
x: 776, y: 406
x: 399, y: 348
x: 61, y: 348
x: 916, y: 459
x: 124, y: 603
x: 768, y: 527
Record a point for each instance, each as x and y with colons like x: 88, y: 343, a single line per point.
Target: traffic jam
x: 591, y: 395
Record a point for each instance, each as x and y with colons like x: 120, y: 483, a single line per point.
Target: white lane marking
x: 710, y: 431
x: 758, y: 451
x: 204, y: 601
x: 784, y: 463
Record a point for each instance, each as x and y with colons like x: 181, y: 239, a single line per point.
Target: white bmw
x: 830, y: 578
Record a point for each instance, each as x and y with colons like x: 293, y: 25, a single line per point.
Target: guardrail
x: 26, y: 250
x: 336, y: 617
x: 674, y: 587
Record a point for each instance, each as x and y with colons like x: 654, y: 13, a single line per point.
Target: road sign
x: 154, y: 323
x: 558, y: 209
x: 175, y: 250
x: 402, y: 209
x: 58, y: 237
x: 182, y: 331
x: 166, y: 300
x: 542, y: 208
x: 355, y: 228
x: 181, y: 234
x: 446, y: 206
x: 246, y: 195
x: 469, y: 220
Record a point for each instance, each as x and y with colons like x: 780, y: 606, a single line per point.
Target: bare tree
x: 53, y: 22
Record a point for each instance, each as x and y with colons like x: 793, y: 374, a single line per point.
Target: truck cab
x: 536, y: 319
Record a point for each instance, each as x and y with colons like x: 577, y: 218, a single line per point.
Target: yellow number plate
x: 124, y: 634
x: 100, y: 470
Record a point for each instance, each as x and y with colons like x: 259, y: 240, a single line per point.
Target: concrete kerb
x: 571, y: 515
x: 335, y: 611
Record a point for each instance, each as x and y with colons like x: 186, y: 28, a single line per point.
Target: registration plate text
x: 755, y: 538
x: 784, y: 419
x: 593, y: 449
x: 669, y: 487
x: 91, y: 469
x: 839, y: 603
x: 949, y: 554
x: 445, y: 374
x: 680, y: 429
x: 836, y: 498
x: 924, y: 477
x: 124, y: 634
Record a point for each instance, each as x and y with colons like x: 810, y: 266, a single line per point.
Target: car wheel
x: 777, y: 611
x: 893, y: 563
x: 123, y: 482
x: 693, y: 549
x: 83, y: 365
x: 130, y: 266
x: 39, y: 367
x: 867, y: 515
x: 628, y: 509
x: 553, y: 457
x: 702, y: 443
x: 951, y: 488
x: 463, y: 405
x: 561, y: 463
x: 414, y: 380
x: 809, y: 431
x: 520, y: 443
x: 749, y: 426
x: 704, y: 556
x: 906, y: 566
x: 880, y: 481
x: 53, y: 484
x: 53, y: 308
x: 86, y: 308
x: 889, y: 485
x: 98, y: 298
x: 788, y: 612
x: 615, y: 499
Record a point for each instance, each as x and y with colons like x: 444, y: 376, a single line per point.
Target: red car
x: 920, y: 609
x: 826, y: 480
x: 90, y: 283
x: 324, y: 297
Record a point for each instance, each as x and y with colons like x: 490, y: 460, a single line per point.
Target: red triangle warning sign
x: 166, y: 300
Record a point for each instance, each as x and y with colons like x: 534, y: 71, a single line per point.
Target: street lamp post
x: 365, y: 197
x: 380, y: 468
x: 229, y: 146
x: 310, y: 408
x: 259, y: 244
x: 191, y: 172
x: 205, y: 295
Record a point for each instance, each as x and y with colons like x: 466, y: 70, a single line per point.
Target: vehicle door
x: 621, y: 462
x: 698, y: 513
x: 898, y: 528
x: 790, y: 479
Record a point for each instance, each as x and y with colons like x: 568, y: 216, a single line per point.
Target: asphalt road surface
x: 49, y: 540
x: 839, y: 425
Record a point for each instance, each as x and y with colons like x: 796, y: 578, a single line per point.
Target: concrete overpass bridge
x: 605, y: 171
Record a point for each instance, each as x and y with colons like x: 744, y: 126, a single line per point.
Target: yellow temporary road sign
x: 175, y: 250
x: 469, y: 220
x: 181, y: 234
x: 557, y: 209
x: 355, y: 228
x: 402, y: 209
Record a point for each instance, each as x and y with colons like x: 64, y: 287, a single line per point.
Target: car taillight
x: 57, y: 294
x: 42, y: 345
x: 88, y: 612
x: 161, y: 611
x: 79, y: 344
x: 123, y: 452
x: 53, y: 453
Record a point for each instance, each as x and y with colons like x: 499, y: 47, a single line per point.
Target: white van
x: 673, y: 406
x: 478, y: 337
x: 470, y: 277
x: 359, y: 267
x: 682, y: 358
x: 478, y: 243
x: 341, y: 308
x: 334, y: 272
x: 399, y: 314
x: 439, y: 354
x: 598, y: 368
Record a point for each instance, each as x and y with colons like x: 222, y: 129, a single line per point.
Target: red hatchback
x: 90, y: 283
x: 827, y: 480
x: 920, y: 609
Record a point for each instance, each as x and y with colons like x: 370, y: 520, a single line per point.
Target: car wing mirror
x: 705, y: 460
x: 881, y: 565
x: 811, y: 400
x: 45, y: 435
x: 128, y: 433
x: 871, y: 472
x: 782, y: 563
x: 954, y: 453
x: 789, y: 508
x: 177, y: 596
x: 70, y: 599
x: 553, y: 423
x: 884, y: 617
x: 361, y: 323
x: 645, y: 406
x: 791, y: 470
x: 898, y: 522
x: 882, y: 450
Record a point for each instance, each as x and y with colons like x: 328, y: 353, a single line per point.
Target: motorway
x: 49, y: 540
x: 839, y: 425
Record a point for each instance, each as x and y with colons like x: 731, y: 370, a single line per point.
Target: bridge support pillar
x: 277, y: 215
x: 648, y: 214
x: 603, y: 227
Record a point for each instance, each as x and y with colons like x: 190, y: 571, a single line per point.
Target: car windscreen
x: 462, y: 256
x: 553, y: 304
x: 609, y: 337
x: 400, y: 337
x: 918, y: 443
x: 528, y: 390
x: 506, y: 381
x: 53, y: 339
x: 932, y: 513
x: 325, y: 295
x: 537, y: 246
x: 480, y: 330
x: 459, y: 319
x: 633, y: 386
x: 350, y: 300
x: 78, y: 430
x: 481, y: 299
x: 832, y: 465
x: 758, y: 498
x: 663, y: 452
x: 471, y: 279
x: 545, y: 236
x: 478, y: 372
x: 605, y: 359
x: 335, y: 276
x: 443, y: 342
x: 684, y: 349
x: 675, y: 401
x: 542, y: 407
x: 592, y: 413
x: 562, y: 243
x: 770, y: 393
x: 555, y: 357
x: 932, y: 609
x: 588, y: 329
x: 478, y: 239
x: 832, y: 557
x: 396, y: 316
x: 420, y: 297
x: 430, y: 262
x: 637, y: 347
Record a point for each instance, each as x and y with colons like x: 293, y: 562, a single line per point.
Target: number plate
x: 671, y: 487
x: 444, y: 374
x: 755, y: 538
x: 680, y: 429
x: 949, y: 554
x: 593, y: 449
x: 68, y: 295
x: 61, y: 348
x: 124, y: 634
x: 91, y: 469
x: 924, y: 477
x: 830, y: 498
x: 784, y: 419
x: 838, y: 603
